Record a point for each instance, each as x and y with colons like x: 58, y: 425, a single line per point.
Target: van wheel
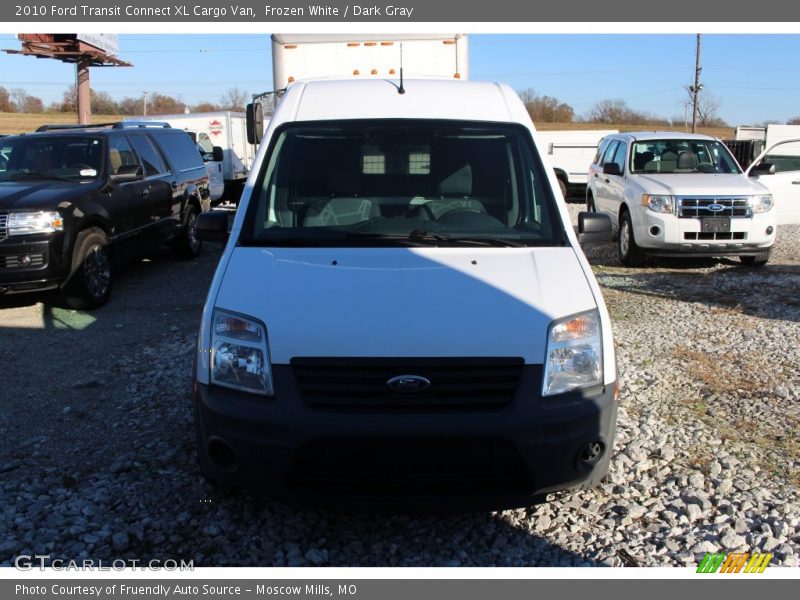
x: 188, y: 244
x: 563, y: 187
x: 630, y: 254
x: 759, y: 260
x: 89, y: 283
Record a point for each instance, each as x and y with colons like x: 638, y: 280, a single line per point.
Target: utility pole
x: 695, y: 89
x: 144, y: 113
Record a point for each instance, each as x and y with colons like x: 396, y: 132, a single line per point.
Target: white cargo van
x: 402, y: 311
x: 570, y: 152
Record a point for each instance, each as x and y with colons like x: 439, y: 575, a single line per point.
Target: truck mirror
x: 255, y: 122
x: 593, y: 228
x: 212, y: 226
x: 763, y: 169
x: 217, y: 154
x: 611, y: 168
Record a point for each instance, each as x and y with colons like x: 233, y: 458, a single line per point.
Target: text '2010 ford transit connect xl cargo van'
x: 403, y: 310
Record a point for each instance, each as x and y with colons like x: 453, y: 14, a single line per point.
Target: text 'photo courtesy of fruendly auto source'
x: 384, y: 300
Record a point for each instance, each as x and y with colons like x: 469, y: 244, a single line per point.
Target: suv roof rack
x: 115, y: 125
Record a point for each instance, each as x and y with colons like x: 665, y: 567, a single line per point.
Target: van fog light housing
x: 574, y: 357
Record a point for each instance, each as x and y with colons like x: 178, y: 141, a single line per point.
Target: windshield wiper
x: 440, y: 239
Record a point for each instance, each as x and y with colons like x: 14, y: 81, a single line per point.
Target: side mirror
x: 594, y: 228
x: 255, y: 122
x: 217, y: 154
x: 212, y: 226
x: 611, y: 168
x: 763, y: 169
x: 128, y: 173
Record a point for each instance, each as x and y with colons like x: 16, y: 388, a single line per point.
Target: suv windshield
x: 682, y: 156
x: 402, y: 183
x: 50, y: 157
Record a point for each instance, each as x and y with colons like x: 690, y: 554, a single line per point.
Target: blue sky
x: 755, y: 77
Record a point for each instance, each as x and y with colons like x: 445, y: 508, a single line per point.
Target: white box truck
x: 304, y: 57
x: 570, y: 153
x: 298, y: 57
x: 225, y: 129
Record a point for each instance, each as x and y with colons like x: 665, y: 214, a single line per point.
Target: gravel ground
x: 97, y: 451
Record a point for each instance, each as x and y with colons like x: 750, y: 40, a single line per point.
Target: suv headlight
x: 574, y: 357
x: 762, y: 204
x: 23, y: 223
x: 659, y: 204
x: 239, y: 355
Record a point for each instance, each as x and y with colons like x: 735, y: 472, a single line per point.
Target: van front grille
x: 363, y: 383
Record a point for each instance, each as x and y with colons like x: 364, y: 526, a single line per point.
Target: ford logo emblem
x: 715, y: 207
x: 409, y: 384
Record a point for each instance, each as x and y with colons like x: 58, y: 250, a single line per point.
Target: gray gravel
x: 97, y: 451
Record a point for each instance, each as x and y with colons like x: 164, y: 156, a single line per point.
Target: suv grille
x: 3, y: 224
x: 690, y: 208
x: 361, y: 383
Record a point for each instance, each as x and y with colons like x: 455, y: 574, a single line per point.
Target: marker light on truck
x: 574, y: 356
x: 239, y: 355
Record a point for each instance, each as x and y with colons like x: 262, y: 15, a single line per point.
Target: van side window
x: 151, y: 160
x: 120, y: 154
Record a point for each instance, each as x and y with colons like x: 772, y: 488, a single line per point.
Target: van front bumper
x: 482, y: 459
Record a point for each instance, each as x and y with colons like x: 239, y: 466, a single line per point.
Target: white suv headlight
x: 659, y: 204
x: 239, y: 354
x: 23, y: 223
x: 574, y: 357
x: 762, y: 204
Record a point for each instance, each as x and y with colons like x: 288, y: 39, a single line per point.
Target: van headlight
x: 574, y: 356
x: 659, y: 204
x: 239, y: 355
x: 24, y: 223
x: 762, y: 204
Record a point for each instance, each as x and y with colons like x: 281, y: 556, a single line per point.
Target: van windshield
x: 682, y: 156
x: 402, y: 183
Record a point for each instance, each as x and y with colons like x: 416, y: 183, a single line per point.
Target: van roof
x: 423, y: 99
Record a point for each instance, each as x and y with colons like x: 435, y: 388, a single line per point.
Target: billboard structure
x: 84, y: 49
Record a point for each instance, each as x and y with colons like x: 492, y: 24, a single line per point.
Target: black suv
x: 74, y: 200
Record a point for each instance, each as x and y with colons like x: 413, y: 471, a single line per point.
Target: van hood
x: 41, y: 194
x: 701, y: 184
x: 405, y: 302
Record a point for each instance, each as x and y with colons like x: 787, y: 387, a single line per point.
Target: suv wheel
x: 630, y: 254
x: 759, y: 260
x: 188, y: 244
x: 89, y: 284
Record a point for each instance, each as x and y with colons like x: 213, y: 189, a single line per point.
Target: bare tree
x: 33, y: 104
x: 205, y: 107
x: 5, y: 101
x: 546, y: 108
x: 611, y: 112
x: 18, y: 98
x: 233, y: 99
x: 793, y: 121
x: 707, y: 108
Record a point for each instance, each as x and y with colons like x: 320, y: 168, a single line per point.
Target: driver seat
x: 454, y: 191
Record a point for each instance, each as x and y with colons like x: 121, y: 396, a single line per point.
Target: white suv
x: 679, y: 194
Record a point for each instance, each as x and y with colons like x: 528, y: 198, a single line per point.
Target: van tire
x: 188, y: 245
x: 759, y: 260
x: 630, y: 254
x: 91, y: 275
